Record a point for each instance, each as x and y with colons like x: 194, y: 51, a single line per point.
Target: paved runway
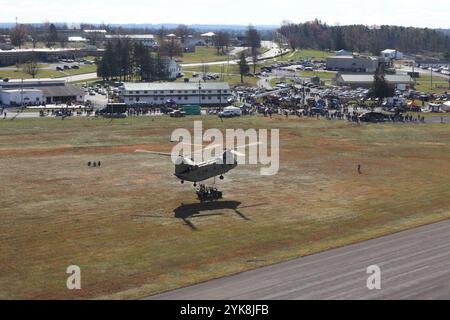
x: 414, y: 264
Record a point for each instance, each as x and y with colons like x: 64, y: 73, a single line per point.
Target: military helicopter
x: 186, y: 169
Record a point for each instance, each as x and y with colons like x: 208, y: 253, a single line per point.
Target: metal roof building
x: 397, y: 81
x: 39, y: 91
x: 214, y: 93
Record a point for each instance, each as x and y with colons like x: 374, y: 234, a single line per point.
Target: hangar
x: 38, y: 92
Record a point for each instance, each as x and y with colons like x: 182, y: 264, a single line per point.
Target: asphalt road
x: 414, y: 264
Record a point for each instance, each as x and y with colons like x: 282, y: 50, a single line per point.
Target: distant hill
x: 446, y: 31
x: 201, y: 27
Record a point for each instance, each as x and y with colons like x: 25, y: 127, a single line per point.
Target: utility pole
x: 200, y: 93
x: 21, y: 93
x: 431, y: 69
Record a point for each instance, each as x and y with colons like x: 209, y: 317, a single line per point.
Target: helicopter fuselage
x: 203, y: 171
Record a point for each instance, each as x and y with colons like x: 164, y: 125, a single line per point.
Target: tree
x: 243, y: 66
x: 222, y: 41
x: 31, y: 67
x: 52, y: 35
x: 34, y: 35
x: 182, y: 32
x: 380, y: 88
x: 18, y: 35
x: 254, y: 42
x: 171, y: 48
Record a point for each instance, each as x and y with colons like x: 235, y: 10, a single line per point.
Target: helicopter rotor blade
x: 164, y: 154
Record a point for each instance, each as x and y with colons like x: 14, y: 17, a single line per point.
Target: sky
x: 419, y: 13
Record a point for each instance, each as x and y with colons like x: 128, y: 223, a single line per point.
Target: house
x: 208, y: 38
x: 181, y: 93
x: 172, y: 69
x: 353, y: 63
x: 391, y: 54
x: 400, y: 82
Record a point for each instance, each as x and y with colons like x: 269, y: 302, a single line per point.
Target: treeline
x: 126, y: 61
x: 360, y: 38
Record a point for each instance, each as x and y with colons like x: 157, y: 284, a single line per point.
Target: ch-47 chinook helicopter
x: 188, y: 170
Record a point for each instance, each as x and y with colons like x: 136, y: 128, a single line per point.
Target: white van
x: 230, y: 112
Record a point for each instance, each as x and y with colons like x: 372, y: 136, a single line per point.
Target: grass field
x: 203, y: 54
x: 47, y: 73
x: 440, y: 85
x: 130, y: 228
x: 303, y: 54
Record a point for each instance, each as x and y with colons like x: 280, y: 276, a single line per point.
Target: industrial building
x: 353, y: 63
x: 38, y: 92
x: 207, y: 94
x: 11, y: 57
x: 400, y: 82
x: 147, y: 40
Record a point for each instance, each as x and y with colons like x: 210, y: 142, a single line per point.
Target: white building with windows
x: 147, y: 40
x: 204, y: 94
x: 32, y: 92
x: 392, y: 54
x: 20, y: 97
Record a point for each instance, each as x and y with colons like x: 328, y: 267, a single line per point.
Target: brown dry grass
x: 119, y: 223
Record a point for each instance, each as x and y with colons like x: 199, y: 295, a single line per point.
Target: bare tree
x: 18, y: 35
x: 171, y: 48
x: 31, y: 67
x: 182, y: 32
x: 222, y: 41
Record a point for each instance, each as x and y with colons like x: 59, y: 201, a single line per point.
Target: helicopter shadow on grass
x: 187, y: 212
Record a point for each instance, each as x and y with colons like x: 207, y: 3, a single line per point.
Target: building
x: 172, y: 68
x: 206, y: 94
x: 38, y: 92
x: 11, y: 57
x: 400, y: 82
x: 17, y: 97
x: 208, y: 38
x: 147, y: 40
x: 391, y: 54
x: 353, y: 63
x: 77, y: 39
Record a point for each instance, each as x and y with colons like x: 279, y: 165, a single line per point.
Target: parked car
x: 177, y: 114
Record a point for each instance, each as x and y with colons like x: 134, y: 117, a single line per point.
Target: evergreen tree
x: 243, y: 66
x: 380, y: 88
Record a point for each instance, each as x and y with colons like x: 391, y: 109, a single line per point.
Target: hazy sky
x: 433, y: 14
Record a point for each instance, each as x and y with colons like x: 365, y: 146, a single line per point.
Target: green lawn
x: 47, y: 73
x: 303, y: 54
x: 232, y: 79
x: 203, y: 54
x: 127, y: 226
x: 440, y: 85
x: 322, y: 75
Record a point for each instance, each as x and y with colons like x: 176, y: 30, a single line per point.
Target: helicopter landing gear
x: 207, y: 194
